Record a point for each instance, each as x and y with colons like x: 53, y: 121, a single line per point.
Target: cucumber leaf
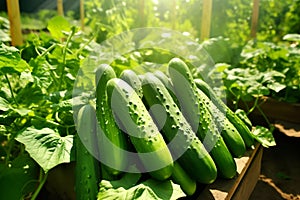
x: 46, y: 146
x: 57, y: 25
x: 4, y: 105
x: 127, y: 189
x: 264, y: 136
x: 10, y: 59
x: 292, y: 37
x: 19, y: 178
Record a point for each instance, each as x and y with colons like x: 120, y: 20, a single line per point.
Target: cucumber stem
x: 42, y: 180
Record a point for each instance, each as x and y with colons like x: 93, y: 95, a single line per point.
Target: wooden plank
x: 254, y: 22
x: 250, y: 179
x: 226, y: 189
x: 14, y: 16
x: 206, y: 19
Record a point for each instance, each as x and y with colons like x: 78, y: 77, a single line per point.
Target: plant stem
x: 10, y: 146
x: 87, y: 43
x: 42, y: 180
x: 264, y: 116
x: 255, y: 105
x: 64, y: 56
x: 47, y: 121
x: 48, y: 50
x: 10, y: 89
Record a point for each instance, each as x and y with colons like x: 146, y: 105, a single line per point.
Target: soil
x: 280, y: 170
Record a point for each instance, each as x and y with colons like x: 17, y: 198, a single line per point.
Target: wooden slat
x: 13, y: 11
x: 206, y: 19
x: 223, y: 189
x: 254, y: 22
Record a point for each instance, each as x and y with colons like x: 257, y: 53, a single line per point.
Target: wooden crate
x: 241, y: 186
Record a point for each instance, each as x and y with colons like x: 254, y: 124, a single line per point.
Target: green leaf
x: 4, y: 105
x: 11, y: 58
x: 277, y: 87
x: 57, y: 25
x: 292, y: 37
x: 46, y: 146
x: 151, y: 189
x: 22, y: 111
x: 4, y: 37
x: 264, y: 136
x: 244, y: 117
x: 18, y: 179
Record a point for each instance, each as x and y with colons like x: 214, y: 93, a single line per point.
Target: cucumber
x: 195, y: 110
x: 143, y: 133
x: 168, y: 84
x: 231, y: 136
x: 187, y: 147
x: 243, y: 116
x: 133, y: 80
x: 242, y: 128
x: 117, y: 162
x: 187, y: 184
x: 87, y: 171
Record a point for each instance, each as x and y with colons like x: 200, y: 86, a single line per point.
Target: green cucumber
x: 87, y: 171
x: 243, y: 116
x: 168, y: 84
x: 143, y: 133
x: 195, y: 110
x: 187, y: 147
x: 133, y: 80
x: 242, y: 128
x: 231, y: 136
x: 118, y: 159
x: 187, y: 184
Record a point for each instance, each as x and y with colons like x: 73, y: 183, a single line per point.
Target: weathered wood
x: 242, y: 185
x: 206, y: 19
x: 14, y: 16
x: 254, y: 22
x: 60, y: 8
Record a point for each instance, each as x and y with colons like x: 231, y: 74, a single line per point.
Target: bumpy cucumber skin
x: 231, y: 136
x: 242, y: 128
x: 187, y: 184
x: 87, y: 171
x: 195, y: 160
x: 133, y: 80
x: 107, y: 122
x: 193, y: 108
x: 168, y: 84
x: 142, y: 130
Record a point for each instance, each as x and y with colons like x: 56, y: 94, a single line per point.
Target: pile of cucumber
x: 147, y: 113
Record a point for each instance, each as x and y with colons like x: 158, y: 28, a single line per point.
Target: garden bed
x: 241, y: 186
